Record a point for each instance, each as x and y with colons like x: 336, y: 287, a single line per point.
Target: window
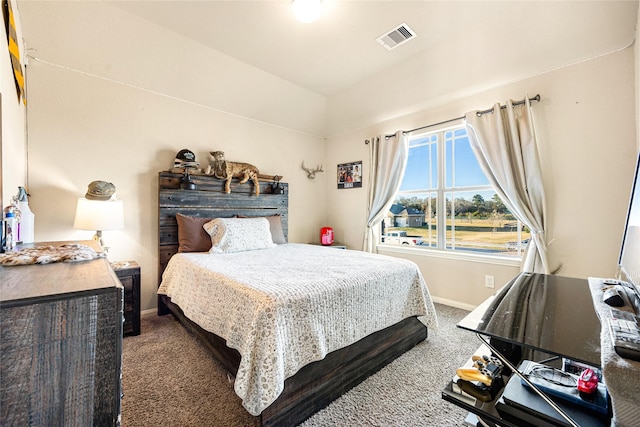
x: 446, y: 202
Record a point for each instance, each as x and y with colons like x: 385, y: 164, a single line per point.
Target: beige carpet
x: 169, y: 379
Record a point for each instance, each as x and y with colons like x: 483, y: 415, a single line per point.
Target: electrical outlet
x: 489, y: 281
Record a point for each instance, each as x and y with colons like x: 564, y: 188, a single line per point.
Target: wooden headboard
x: 210, y: 201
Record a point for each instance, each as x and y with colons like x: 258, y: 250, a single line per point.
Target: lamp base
x: 98, y: 238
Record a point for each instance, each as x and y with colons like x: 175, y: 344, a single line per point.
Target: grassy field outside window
x: 478, y: 235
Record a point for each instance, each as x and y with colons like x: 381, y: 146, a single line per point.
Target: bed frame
x: 316, y: 385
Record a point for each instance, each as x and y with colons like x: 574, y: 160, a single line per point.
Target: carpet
x: 168, y: 378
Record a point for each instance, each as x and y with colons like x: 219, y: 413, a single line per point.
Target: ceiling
x: 340, y: 50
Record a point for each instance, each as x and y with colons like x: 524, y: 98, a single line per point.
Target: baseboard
x: 150, y: 312
x: 453, y: 303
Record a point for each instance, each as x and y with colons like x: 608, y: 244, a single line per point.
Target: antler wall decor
x: 311, y: 173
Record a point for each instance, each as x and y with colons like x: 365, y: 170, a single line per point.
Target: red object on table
x: 326, y: 236
x: 588, y: 381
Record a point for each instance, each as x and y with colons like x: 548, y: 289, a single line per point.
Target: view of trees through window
x: 446, y: 202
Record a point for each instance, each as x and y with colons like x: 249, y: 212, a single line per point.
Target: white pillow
x: 238, y: 234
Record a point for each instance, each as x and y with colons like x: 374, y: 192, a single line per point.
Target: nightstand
x: 336, y: 245
x: 129, y: 276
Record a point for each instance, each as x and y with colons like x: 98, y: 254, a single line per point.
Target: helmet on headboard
x: 185, y: 159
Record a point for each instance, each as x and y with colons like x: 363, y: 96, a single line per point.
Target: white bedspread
x: 288, y: 306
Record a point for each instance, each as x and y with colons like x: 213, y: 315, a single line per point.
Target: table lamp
x: 99, y: 211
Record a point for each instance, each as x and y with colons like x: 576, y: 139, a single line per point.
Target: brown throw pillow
x: 191, y: 236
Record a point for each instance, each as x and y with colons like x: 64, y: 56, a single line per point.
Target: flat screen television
x: 629, y: 260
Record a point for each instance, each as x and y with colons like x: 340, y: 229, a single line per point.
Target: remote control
x: 625, y: 334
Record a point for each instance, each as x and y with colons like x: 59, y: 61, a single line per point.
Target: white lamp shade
x: 99, y: 215
x: 307, y: 11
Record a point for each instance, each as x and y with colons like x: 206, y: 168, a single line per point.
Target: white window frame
x: 441, y: 251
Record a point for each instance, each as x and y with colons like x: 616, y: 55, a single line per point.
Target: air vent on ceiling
x: 394, y: 38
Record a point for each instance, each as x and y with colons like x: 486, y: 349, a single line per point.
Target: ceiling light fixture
x: 307, y: 11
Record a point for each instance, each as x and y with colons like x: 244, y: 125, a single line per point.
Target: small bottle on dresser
x: 10, y: 229
x: 10, y: 215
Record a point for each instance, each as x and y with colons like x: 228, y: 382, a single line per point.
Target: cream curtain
x: 388, y: 160
x: 505, y: 144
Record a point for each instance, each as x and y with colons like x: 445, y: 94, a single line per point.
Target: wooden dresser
x: 60, y: 344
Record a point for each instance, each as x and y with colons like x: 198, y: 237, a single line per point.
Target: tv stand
x: 537, y: 317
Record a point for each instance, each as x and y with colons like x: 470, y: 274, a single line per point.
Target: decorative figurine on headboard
x: 223, y: 169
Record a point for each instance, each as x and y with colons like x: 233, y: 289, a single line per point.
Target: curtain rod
x: 479, y: 113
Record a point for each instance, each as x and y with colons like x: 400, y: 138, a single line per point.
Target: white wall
x: 636, y: 50
x: 99, y: 38
x: 460, y: 66
x: 115, y: 124
x: 13, y: 153
x: 586, y: 125
x: 107, y: 117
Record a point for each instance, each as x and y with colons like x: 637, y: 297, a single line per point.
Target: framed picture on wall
x: 350, y: 175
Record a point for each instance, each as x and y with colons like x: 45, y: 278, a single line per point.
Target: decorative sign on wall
x: 350, y: 175
x: 14, y: 49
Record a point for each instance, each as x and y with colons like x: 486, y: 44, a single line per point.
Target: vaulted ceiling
x: 340, y: 49
x: 252, y: 58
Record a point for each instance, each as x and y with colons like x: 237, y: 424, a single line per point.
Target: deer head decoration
x: 311, y: 173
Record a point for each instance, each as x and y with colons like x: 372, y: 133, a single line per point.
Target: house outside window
x: 446, y: 202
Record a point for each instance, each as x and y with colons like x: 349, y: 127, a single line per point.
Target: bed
x: 282, y: 317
